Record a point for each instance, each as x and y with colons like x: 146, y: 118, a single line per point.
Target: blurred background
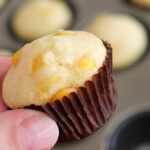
x: 123, y: 23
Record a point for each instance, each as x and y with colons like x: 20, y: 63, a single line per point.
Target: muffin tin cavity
x: 132, y: 134
x: 145, y: 146
x: 33, y: 19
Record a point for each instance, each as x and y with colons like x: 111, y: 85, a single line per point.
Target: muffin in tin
x: 36, y: 18
x: 2, y: 3
x: 127, y: 35
x: 141, y: 3
x: 67, y: 74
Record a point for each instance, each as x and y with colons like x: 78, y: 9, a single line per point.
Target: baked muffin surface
x: 51, y: 67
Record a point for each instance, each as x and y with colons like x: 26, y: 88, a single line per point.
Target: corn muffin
x: 36, y: 18
x: 62, y: 74
x: 126, y: 34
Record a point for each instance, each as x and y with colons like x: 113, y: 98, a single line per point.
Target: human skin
x: 24, y: 129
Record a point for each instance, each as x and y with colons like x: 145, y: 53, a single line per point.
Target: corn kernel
x: 59, y: 33
x: 38, y: 62
x: 15, y: 58
x: 87, y: 63
x: 43, y: 88
x: 60, y: 94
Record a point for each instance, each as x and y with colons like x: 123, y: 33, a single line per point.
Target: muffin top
x: 36, y: 18
x: 52, y: 67
x: 126, y: 34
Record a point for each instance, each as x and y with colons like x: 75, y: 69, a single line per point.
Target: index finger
x: 5, y: 64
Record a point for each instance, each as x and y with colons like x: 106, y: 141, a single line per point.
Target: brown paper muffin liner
x: 86, y: 111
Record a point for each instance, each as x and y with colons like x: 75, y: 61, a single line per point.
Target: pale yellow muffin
x: 36, y: 18
x: 5, y: 52
x: 2, y: 3
x: 51, y: 67
x: 126, y: 34
x: 142, y: 3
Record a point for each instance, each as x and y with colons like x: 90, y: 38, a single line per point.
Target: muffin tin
x: 133, y: 84
x: 133, y: 133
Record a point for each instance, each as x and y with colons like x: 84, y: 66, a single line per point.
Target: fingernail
x: 38, y: 133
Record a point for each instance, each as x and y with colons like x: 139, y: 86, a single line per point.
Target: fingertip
x: 3, y: 106
x: 38, y: 132
x: 5, y: 60
x: 29, y: 130
x: 5, y: 63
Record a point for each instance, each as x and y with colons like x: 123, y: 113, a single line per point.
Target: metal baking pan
x: 133, y: 83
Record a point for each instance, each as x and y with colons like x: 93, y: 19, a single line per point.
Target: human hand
x: 24, y: 129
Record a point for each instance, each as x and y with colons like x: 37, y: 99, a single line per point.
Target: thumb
x: 27, y: 130
x: 5, y: 64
